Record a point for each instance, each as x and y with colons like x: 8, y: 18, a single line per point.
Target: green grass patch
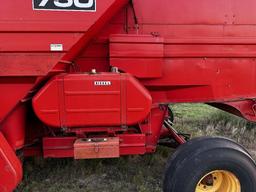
x: 133, y: 173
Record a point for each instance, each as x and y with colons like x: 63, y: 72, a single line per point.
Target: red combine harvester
x: 93, y: 79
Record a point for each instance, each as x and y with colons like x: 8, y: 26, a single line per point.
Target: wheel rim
x: 219, y: 181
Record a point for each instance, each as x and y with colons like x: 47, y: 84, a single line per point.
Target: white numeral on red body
x: 68, y: 3
x: 43, y: 3
x: 83, y: 5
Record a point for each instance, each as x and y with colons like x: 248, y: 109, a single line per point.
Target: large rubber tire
x: 200, y: 156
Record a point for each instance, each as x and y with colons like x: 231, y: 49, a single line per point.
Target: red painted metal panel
x: 13, y: 89
x: 104, y: 99
x: 36, y: 42
x: 33, y: 32
x: 10, y: 166
x: 28, y: 64
x: 227, y: 48
x: 132, y: 144
x: 194, y: 69
x: 94, y: 30
x: 26, y: 38
x: 59, y: 147
x: 152, y: 129
x: 140, y: 67
x: 196, y: 12
x: 13, y: 127
x: 206, y: 79
x: 243, y: 108
x: 183, y: 12
x: 139, y: 55
x: 200, y: 51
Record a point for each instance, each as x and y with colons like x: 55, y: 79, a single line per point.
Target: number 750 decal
x: 68, y: 5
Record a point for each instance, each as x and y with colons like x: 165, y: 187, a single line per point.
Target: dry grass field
x: 133, y: 173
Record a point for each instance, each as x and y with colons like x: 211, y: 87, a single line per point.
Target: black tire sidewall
x: 193, y: 146
x: 192, y: 169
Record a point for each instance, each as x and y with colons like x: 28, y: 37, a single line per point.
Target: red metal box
x: 140, y: 55
x: 103, y: 99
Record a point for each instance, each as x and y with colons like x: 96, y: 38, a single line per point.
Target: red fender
x: 10, y: 167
